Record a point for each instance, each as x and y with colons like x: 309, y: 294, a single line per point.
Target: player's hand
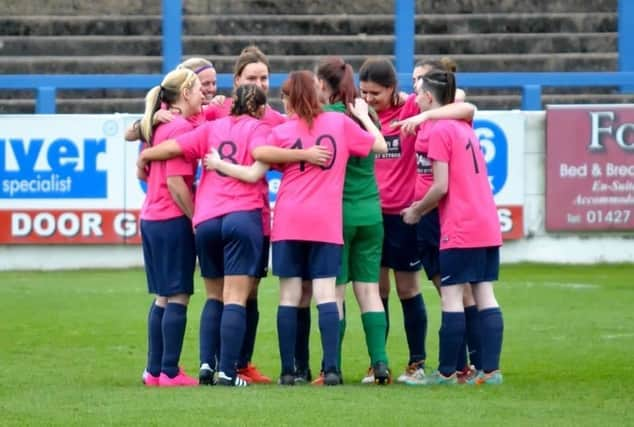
x: 317, y: 155
x: 142, y: 167
x: 410, y: 125
x: 142, y: 173
x: 217, y: 100
x: 141, y: 162
x: 359, y: 108
x: 162, y: 116
x: 211, y: 160
x: 410, y: 216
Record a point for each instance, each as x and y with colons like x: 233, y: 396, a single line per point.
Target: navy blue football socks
x: 461, y: 361
x: 450, y: 336
x: 329, y: 328
x: 286, y: 335
x: 155, y: 339
x: 302, y: 353
x: 174, y: 323
x: 472, y: 323
x: 386, y: 307
x: 492, y: 329
x: 232, y: 328
x: 210, y: 332
x: 253, y: 317
x: 415, y: 320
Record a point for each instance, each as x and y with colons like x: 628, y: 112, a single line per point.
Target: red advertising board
x: 590, y: 168
x: 511, y: 221
x: 112, y: 227
x: 95, y: 227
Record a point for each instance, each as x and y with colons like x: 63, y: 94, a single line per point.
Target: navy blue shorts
x: 308, y: 260
x: 428, y: 239
x: 230, y: 245
x: 400, y: 251
x: 469, y: 265
x: 169, y: 253
x: 263, y: 264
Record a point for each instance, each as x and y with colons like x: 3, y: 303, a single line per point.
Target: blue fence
x: 530, y: 84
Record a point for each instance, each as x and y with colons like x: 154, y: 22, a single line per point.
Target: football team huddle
x: 372, y: 179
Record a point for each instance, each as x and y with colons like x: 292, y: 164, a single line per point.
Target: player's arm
x: 460, y: 96
x: 141, y: 173
x: 164, y: 151
x: 360, y: 111
x: 251, y: 173
x: 456, y: 111
x: 181, y: 194
x: 133, y: 132
x: 317, y: 155
x: 436, y: 192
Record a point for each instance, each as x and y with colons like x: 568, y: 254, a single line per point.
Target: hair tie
x: 434, y: 81
x: 203, y: 68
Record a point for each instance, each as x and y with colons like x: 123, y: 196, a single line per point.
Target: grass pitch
x: 73, y: 345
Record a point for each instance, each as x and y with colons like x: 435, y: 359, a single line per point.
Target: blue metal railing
x: 172, y: 31
x: 404, y: 32
x: 626, y: 39
x: 531, y: 84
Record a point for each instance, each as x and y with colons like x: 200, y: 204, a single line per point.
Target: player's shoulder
x: 330, y: 119
x: 178, y: 125
x: 286, y: 126
x: 450, y: 127
x: 273, y: 117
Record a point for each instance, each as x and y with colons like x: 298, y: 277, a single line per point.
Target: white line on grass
x: 562, y: 285
x: 616, y: 336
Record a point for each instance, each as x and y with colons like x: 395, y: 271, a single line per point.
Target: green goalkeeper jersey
x: 361, y: 204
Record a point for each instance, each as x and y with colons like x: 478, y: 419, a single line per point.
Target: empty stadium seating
x: 109, y: 36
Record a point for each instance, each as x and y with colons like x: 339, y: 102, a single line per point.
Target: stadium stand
x: 85, y: 37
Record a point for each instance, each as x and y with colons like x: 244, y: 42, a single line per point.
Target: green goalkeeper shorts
x: 361, y: 258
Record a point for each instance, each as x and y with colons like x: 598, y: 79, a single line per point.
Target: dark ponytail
x: 441, y: 84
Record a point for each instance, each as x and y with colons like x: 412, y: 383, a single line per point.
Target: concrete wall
x: 537, y: 246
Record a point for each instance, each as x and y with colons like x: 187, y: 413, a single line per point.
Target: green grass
x: 73, y: 345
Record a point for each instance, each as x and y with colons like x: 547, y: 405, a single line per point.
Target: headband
x: 203, y: 68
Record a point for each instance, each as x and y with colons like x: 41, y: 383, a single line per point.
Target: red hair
x: 302, y: 96
x: 340, y: 78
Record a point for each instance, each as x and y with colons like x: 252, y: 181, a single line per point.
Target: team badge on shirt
x: 423, y: 164
x: 393, y: 148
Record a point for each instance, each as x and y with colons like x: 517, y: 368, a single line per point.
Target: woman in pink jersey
x: 307, y: 229
x: 395, y: 172
x: 470, y: 233
x: 428, y: 228
x: 228, y: 218
x: 251, y: 67
x: 166, y: 230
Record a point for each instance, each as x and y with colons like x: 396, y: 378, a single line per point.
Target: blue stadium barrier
x: 404, y: 32
x: 172, y: 31
x: 531, y: 84
x: 626, y: 39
